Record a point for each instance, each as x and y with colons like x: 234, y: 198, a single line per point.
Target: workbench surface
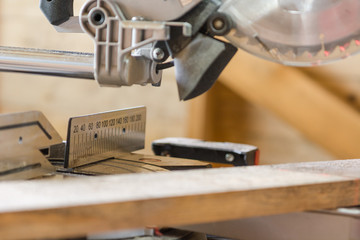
x: 75, y: 207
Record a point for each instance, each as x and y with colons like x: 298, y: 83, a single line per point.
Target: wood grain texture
x: 342, y: 79
x: 297, y: 99
x: 43, y: 209
x: 345, y: 86
x: 198, y: 117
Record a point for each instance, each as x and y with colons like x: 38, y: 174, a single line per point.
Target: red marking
x: 326, y: 53
x: 157, y: 232
x: 257, y: 157
x: 342, y: 48
x: 357, y: 42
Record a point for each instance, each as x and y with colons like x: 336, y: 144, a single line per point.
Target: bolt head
x: 218, y: 24
x: 158, y: 54
x: 229, y: 157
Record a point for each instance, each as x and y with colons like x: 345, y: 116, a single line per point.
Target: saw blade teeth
x: 354, y: 45
x: 284, y: 49
x: 336, y: 51
x: 308, y: 55
x: 301, y: 51
x: 290, y: 55
x: 342, y: 50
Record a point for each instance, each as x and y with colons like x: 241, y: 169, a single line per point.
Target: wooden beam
x: 343, y: 85
x: 297, y: 99
x: 229, y: 117
x: 198, y: 117
x: 75, y: 207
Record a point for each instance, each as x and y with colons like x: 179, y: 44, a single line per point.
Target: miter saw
x: 134, y: 39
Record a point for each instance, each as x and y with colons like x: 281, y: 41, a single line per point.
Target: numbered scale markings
x: 90, y: 137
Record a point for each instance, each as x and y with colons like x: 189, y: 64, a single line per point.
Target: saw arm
x: 133, y: 40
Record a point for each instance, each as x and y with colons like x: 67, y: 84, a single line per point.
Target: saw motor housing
x: 133, y: 40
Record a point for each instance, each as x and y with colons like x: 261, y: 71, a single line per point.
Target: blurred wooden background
x: 292, y: 114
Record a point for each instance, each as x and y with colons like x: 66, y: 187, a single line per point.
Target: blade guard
x: 199, y: 64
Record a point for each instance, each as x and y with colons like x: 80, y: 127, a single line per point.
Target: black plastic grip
x: 57, y: 11
x: 215, y: 152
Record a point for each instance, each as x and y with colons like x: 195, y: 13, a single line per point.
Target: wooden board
x: 74, y: 207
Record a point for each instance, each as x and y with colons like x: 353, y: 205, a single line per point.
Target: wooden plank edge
x: 330, y: 190
x: 82, y: 220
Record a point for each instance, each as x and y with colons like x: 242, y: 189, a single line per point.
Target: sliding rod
x: 47, y: 62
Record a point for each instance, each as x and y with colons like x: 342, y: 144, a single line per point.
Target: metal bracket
x: 22, y: 135
x: 115, y: 39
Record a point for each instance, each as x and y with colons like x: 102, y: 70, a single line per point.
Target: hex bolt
x: 229, y: 157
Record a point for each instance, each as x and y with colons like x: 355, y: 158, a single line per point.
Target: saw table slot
x: 20, y: 169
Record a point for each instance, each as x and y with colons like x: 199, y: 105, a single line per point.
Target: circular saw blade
x: 295, y: 32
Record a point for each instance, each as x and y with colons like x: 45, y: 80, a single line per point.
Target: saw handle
x: 57, y: 11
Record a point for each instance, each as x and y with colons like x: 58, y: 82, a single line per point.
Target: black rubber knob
x: 57, y: 11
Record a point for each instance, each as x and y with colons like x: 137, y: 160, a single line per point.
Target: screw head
x: 158, y: 54
x: 229, y: 157
x: 218, y: 23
